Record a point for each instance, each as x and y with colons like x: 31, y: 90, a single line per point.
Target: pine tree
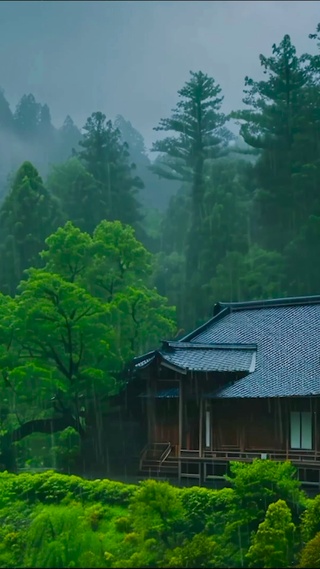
x: 6, y: 117
x: 26, y: 117
x: 27, y: 216
x: 277, y: 124
x: 107, y: 160
x: 68, y: 137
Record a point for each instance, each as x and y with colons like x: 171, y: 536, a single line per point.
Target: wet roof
x: 207, y: 359
x: 282, y: 336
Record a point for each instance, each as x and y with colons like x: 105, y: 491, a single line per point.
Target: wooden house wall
x: 258, y: 424
x: 243, y: 424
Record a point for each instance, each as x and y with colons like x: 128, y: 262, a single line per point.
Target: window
x: 301, y: 430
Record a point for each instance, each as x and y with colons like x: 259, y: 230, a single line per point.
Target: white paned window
x: 301, y: 430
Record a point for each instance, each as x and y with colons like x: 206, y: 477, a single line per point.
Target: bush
x: 259, y: 484
x: 310, y: 555
x: 156, y: 510
x: 198, y: 552
x: 207, y: 509
x: 310, y: 519
x: 272, y: 545
x: 60, y: 536
x: 50, y: 487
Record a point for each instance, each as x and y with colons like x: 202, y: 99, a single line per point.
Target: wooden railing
x: 154, y: 447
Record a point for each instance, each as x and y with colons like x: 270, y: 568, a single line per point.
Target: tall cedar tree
x: 27, y: 216
x: 107, y: 160
x: 197, y: 136
x: 278, y: 123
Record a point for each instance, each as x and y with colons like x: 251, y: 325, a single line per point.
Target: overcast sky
x: 132, y: 57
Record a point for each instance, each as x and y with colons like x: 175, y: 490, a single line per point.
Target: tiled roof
x: 284, y: 332
x: 288, y: 340
x: 208, y: 359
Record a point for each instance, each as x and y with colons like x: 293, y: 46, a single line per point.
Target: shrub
x: 272, y: 545
x: 207, y: 509
x: 156, y: 510
x: 310, y: 519
x: 198, y: 552
x: 60, y: 536
x: 310, y: 555
x: 259, y: 484
x: 51, y: 487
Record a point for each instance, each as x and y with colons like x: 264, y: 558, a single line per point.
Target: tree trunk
x: 48, y: 426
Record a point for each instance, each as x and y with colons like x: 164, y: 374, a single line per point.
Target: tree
x: 73, y: 327
x: 68, y: 138
x: 156, y: 192
x: 6, y: 117
x: 198, y: 135
x: 115, y: 267
x: 227, y: 227
x: 310, y: 555
x: 277, y: 123
x: 107, y: 160
x: 256, y: 275
x: 27, y: 216
x: 77, y: 192
x: 272, y: 545
x: 27, y: 116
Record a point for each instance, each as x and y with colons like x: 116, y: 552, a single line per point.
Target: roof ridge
x: 221, y: 309
x: 270, y: 302
x: 211, y: 346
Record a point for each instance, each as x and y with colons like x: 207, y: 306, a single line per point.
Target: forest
x: 107, y: 248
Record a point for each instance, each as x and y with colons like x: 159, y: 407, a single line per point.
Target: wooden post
x: 287, y: 414
x: 180, y: 424
x: 201, y: 427
x: 315, y: 407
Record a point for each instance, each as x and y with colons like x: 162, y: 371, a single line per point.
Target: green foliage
x: 272, y: 545
x: 198, y: 552
x: 310, y: 555
x: 107, y: 159
x: 310, y: 522
x: 74, y: 326
x: 156, y: 510
x: 27, y: 216
x: 51, y: 488
x: 263, y: 482
x: 60, y: 536
x: 53, y: 520
x: 75, y: 189
x: 207, y: 509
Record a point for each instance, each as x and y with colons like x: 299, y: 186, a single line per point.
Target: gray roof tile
x: 206, y: 359
x: 288, y: 353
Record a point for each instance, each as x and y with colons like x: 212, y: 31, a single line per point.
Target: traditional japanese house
x: 246, y: 384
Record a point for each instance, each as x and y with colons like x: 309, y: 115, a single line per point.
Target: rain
x: 159, y: 284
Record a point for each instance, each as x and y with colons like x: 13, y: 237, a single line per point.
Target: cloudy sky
x: 131, y: 57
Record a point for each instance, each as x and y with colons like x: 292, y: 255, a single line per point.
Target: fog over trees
x: 115, y: 236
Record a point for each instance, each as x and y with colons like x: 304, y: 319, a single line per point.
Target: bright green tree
x: 74, y: 326
x: 272, y: 545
